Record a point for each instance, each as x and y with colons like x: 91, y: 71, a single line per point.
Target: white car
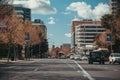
x: 84, y: 58
x: 77, y: 57
x: 114, y: 58
x: 71, y: 56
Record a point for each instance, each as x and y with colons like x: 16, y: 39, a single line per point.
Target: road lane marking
x: 80, y: 70
x: 115, y: 70
x: 84, y: 72
x: 36, y: 69
x: 71, y: 66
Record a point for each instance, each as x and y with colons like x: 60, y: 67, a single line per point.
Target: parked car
x: 96, y: 56
x: 71, y: 56
x: 77, y: 57
x: 84, y: 58
x: 114, y: 58
x: 63, y: 57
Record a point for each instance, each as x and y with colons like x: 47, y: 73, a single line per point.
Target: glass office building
x: 25, y: 13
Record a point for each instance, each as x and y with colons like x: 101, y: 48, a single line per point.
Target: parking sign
x: 109, y: 37
x: 27, y: 37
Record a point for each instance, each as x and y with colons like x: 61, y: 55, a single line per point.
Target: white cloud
x: 100, y: 9
x: 37, y: 6
x: 68, y: 34
x: 66, y: 13
x: 85, y: 11
x: 51, y: 20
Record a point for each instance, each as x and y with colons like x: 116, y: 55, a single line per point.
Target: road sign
x: 109, y: 37
x: 27, y: 37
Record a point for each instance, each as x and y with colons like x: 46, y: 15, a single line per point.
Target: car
x: 71, y: 56
x: 114, y: 58
x: 77, y: 57
x: 96, y: 56
x: 84, y: 58
x: 63, y: 57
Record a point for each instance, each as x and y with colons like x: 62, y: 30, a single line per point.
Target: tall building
x: 25, y: 13
x: 83, y: 33
x: 114, y: 6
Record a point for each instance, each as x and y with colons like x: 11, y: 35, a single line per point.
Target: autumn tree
x: 113, y: 24
x: 100, y: 40
x: 5, y: 12
x: 17, y: 29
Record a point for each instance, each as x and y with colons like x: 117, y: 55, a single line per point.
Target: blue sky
x: 58, y: 14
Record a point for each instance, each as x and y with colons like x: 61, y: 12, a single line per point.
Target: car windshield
x: 116, y: 55
x: 96, y: 53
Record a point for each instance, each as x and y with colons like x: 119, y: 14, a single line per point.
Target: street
x: 58, y: 69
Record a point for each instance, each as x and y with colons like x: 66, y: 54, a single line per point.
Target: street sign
x: 109, y: 37
x: 27, y: 37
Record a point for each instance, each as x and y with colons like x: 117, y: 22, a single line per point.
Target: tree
x: 5, y: 9
x: 43, y: 48
x: 100, y: 40
x: 107, y: 21
x: 16, y: 30
x: 112, y: 23
x: 117, y: 27
x: 116, y: 32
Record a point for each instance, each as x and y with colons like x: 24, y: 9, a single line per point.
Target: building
x: 25, y: 13
x: 66, y: 45
x: 83, y: 34
x: 41, y: 28
x: 114, y: 6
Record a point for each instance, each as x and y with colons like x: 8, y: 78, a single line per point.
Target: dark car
x: 96, y: 56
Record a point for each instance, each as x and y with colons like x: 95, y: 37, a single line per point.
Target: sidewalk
x: 14, y: 61
x: 6, y: 61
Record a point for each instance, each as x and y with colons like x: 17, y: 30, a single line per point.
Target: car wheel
x: 113, y: 62
x: 90, y: 62
x: 109, y: 62
x: 103, y: 62
x: 100, y: 62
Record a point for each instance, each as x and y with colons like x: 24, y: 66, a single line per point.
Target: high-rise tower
x: 115, y: 7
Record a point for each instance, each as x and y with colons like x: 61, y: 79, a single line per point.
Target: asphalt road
x: 102, y: 72
x: 58, y: 69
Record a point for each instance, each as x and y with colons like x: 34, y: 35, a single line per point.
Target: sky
x: 58, y: 15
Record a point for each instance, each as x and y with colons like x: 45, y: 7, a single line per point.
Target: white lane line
x: 84, y: 72
x: 36, y: 69
x: 71, y: 66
